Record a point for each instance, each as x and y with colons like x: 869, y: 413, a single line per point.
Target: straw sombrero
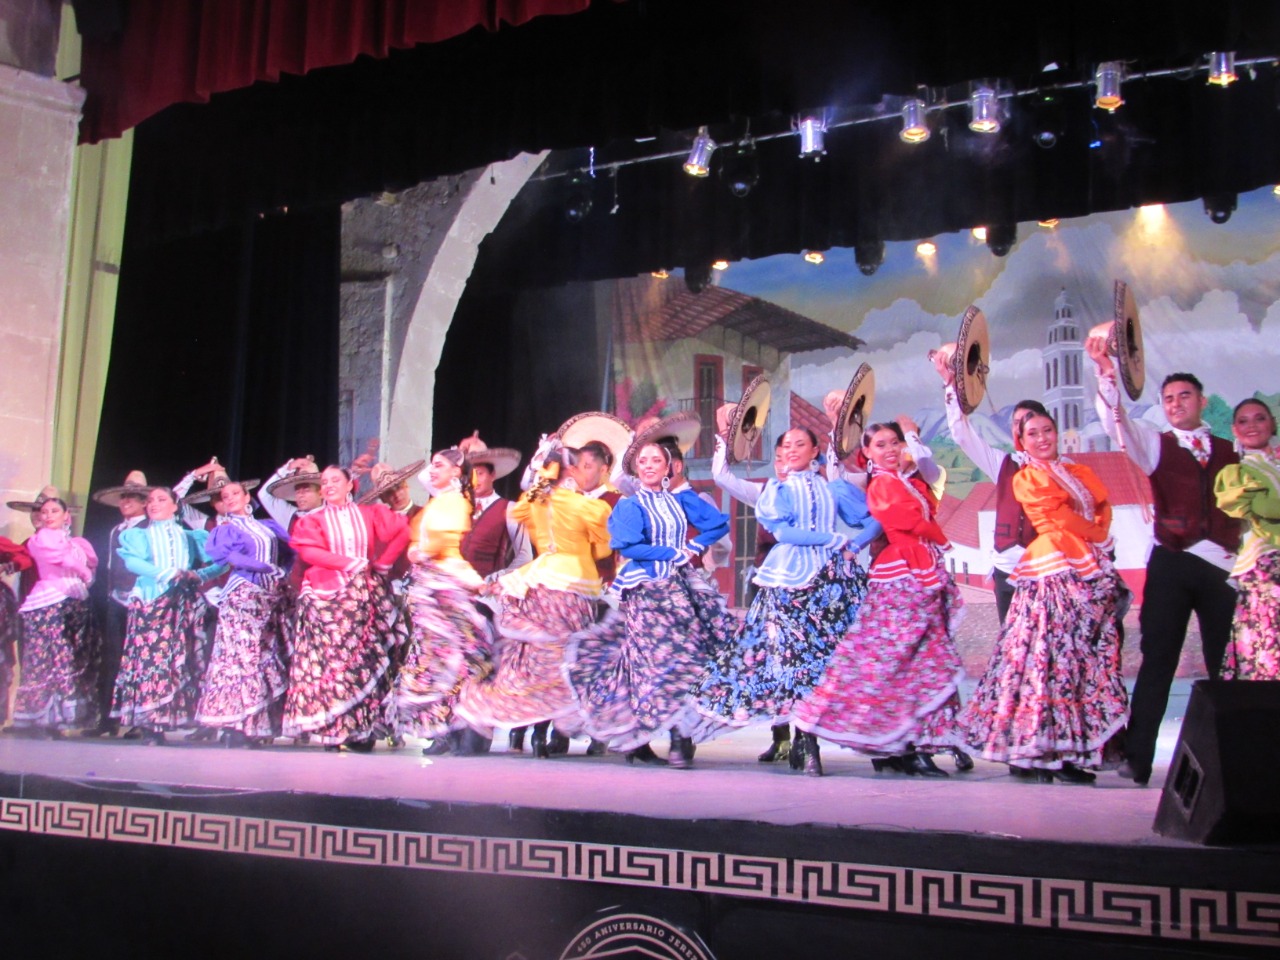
x: 287, y: 487
x: 681, y: 429
x: 503, y: 459
x: 50, y: 492
x: 747, y: 419
x: 855, y: 411
x: 604, y: 428
x: 213, y: 487
x: 135, y: 484
x: 384, y: 478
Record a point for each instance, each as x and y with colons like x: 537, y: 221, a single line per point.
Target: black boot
x: 921, y: 765
x: 1072, y: 774
x: 781, y: 746
x: 812, y: 756
x: 795, y: 757
x: 645, y: 754
x: 515, y: 740
x: 597, y: 748
x: 964, y: 762
x: 892, y: 764
x: 557, y: 743
x: 681, y: 753
x: 538, y: 742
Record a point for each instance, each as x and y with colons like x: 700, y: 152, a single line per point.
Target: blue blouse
x: 157, y: 551
x: 650, y: 530
x: 801, y: 514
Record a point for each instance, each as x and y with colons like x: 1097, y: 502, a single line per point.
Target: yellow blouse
x: 1250, y: 490
x: 570, y: 532
x: 437, y: 532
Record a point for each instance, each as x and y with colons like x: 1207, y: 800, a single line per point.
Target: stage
x: 113, y: 848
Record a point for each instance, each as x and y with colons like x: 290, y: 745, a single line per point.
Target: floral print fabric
x: 1254, y: 650
x: 246, y: 673
x: 60, y: 651
x: 159, y: 681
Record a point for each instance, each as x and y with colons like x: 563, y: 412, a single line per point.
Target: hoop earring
x: 666, y: 482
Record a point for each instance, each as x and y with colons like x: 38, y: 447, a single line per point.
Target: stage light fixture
x: 984, y: 111
x: 741, y: 169
x: 926, y: 248
x: 1222, y: 69
x: 660, y: 274
x: 869, y: 256
x: 719, y: 264
x: 1219, y: 206
x: 914, y: 127
x: 1107, y: 80
x: 1275, y: 191
x: 979, y: 234
x: 1001, y: 238
x: 697, y: 278
x: 812, y: 130
x: 1048, y: 224
x: 814, y: 256
x: 698, y: 163
x: 577, y: 202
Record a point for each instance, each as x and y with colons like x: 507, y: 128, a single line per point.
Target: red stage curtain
x: 175, y: 51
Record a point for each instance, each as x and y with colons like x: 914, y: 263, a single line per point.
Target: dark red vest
x: 487, y: 545
x: 1186, y: 510
x: 765, y: 542
x: 1012, y: 525
x: 608, y: 567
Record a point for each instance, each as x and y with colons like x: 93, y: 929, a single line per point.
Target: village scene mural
x: 1208, y: 295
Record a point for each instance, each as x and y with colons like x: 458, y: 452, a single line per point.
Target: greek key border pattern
x: 1085, y: 906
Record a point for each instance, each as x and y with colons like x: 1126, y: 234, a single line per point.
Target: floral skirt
x: 1254, y: 650
x: 10, y: 627
x: 451, y: 645
x: 782, y: 650
x: 246, y: 674
x: 891, y: 685
x: 528, y: 684
x: 60, y: 652
x: 638, y: 671
x: 158, y: 683
x: 1053, y: 692
x: 338, y: 671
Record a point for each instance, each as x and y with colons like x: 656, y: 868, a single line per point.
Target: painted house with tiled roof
x: 970, y: 523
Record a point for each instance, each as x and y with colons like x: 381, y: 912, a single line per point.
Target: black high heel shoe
x: 680, y: 755
x: 645, y: 754
x: 515, y: 740
x: 892, y: 764
x: 359, y: 744
x: 1072, y: 774
x: 921, y: 765
x: 538, y: 742
x: 557, y: 743
x: 964, y: 762
x: 202, y: 735
x: 597, y: 748
x: 152, y: 738
x: 795, y: 756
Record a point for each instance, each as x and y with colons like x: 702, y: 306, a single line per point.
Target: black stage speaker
x: 1224, y: 782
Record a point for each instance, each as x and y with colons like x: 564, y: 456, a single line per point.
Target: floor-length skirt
x: 528, y: 683
x: 340, y: 659
x: 246, y: 673
x: 638, y: 671
x: 452, y: 644
x: 158, y: 683
x: 1053, y: 692
x: 58, y: 682
x: 891, y: 685
x: 782, y: 650
x: 1254, y: 650
x: 10, y: 627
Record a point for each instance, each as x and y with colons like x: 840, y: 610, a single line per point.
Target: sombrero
x: 681, y: 429
x: 971, y: 361
x: 50, y: 492
x: 135, y: 484
x: 213, y: 487
x: 746, y: 422
x: 604, y: 428
x: 1128, y: 331
x: 287, y: 488
x: 503, y: 459
x: 384, y: 478
x: 855, y: 411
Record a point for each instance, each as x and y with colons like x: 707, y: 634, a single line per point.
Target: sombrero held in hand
x: 855, y: 411
x: 680, y: 429
x: 743, y: 422
x: 384, y: 478
x: 969, y: 359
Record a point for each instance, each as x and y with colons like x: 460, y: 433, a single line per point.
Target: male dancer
x: 1194, y: 550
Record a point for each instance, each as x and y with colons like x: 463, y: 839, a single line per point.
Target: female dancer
x: 452, y: 641
x: 347, y: 618
x: 13, y: 559
x: 60, y: 643
x: 890, y: 687
x: 245, y: 677
x: 635, y: 673
x: 1250, y: 490
x: 158, y: 685
x: 542, y: 604
x: 809, y: 594
x: 1052, y: 695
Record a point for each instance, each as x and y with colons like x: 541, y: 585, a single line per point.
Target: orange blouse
x: 1066, y: 538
